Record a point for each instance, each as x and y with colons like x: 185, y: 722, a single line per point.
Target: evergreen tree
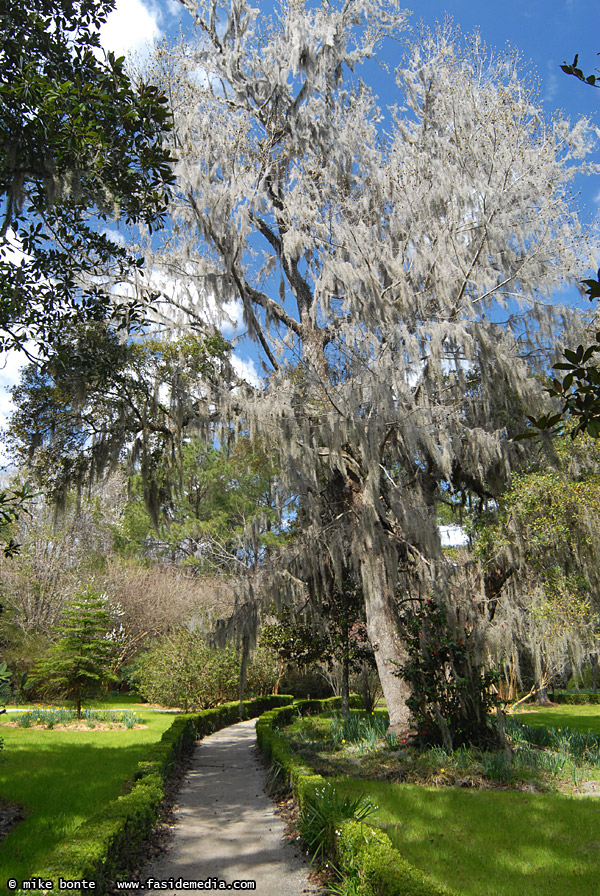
x: 80, y: 145
x: 79, y: 663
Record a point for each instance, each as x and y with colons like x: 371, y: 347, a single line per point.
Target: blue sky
x: 545, y: 34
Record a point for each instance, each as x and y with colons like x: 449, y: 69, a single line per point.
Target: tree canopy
x: 393, y: 265
x: 81, y: 145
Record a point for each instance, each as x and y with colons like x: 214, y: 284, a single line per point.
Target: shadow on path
x: 226, y: 827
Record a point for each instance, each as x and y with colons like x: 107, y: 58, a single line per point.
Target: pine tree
x: 79, y: 663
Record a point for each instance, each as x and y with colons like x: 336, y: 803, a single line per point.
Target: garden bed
x: 541, y: 759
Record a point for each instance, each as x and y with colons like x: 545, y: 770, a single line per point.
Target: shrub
x: 322, y: 813
x: 183, y: 670
x: 5, y: 679
x: 451, y: 694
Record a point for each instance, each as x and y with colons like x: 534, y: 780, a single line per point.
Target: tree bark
x: 382, y: 628
x: 345, y: 708
x: 594, y: 665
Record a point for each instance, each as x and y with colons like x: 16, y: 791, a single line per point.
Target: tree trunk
x: 541, y: 696
x: 345, y: 683
x: 541, y: 679
x: 382, y: 628
x: 594, y: 665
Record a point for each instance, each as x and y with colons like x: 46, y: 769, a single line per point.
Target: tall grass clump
x: 359, y: 728
x: 321, y: 814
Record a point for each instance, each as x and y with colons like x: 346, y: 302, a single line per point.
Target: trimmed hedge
x: 103, y: 848
x: 362, y: 852
x: 367, y: 854
x: 576, y: 698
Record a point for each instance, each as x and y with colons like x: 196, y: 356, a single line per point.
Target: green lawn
x: 494, y: 842
x: 497, y: 842
x: 580, y: 718
x: 62, y: 777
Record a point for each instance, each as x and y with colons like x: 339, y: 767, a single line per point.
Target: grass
x: 491, y: 842
x: 480, y: 838
x: 62, y: 777
x: 579, y: 718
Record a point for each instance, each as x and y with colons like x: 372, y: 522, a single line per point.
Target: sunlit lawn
x: 61, y: 777
x: 497, y: 842
x: 492, y: 842
x: 580, y: 718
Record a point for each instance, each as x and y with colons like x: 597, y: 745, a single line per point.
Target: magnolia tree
x: 393, y: 265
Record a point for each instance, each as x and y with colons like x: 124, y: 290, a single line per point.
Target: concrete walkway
x: 226, y: 828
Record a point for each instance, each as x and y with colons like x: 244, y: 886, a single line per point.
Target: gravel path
x: 226, y: 828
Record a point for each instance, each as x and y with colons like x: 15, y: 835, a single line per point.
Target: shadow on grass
x: 61, y: 780
x: 493, y: 843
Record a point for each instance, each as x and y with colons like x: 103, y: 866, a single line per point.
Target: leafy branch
x: 592, y: 80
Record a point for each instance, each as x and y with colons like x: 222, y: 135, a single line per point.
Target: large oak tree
x: 394, y: 265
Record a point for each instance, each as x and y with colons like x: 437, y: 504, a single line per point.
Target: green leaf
x: 593, y: 428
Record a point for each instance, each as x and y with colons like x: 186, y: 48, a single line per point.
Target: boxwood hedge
x: 363, y: 853
x: 105, y: 847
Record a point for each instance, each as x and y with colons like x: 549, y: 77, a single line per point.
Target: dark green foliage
x: 452, y: 696
x: 579, y: 387
x: 5, y: 679
x: 79, y: 663
x: 13, y: 502
x: 80, y: 144
x: 574, y: 70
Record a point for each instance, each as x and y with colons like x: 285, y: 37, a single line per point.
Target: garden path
x: 226, y: 828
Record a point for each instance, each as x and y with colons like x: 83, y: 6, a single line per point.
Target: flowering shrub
x: 452, y: 696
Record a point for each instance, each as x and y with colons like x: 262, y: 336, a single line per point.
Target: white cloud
x: 246, y: 370
x: 175, y: 8
x: 10, y: 366
x: 131, y: 27
x: 550, y: 81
